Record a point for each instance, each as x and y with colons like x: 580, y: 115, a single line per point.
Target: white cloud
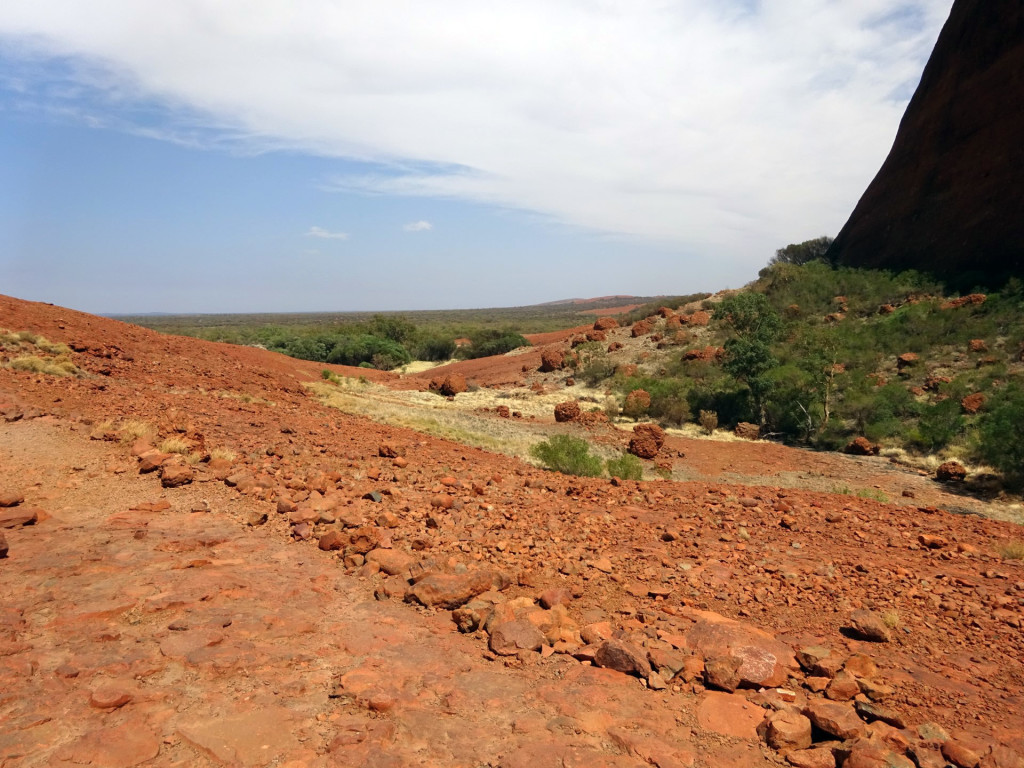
x: 723, y: 127
x: 418, y: 226
x: 326, y: 234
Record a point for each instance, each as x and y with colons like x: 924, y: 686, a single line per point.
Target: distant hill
x: 948, y: 199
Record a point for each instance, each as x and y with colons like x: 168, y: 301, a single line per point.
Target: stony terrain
x: 206, y: 566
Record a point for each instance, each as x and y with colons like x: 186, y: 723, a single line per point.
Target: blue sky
x: 318, y: 155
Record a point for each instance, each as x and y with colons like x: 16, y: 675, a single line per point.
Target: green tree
x: 748, y: 355
x: 801, y: 253
x: 1001, y: 431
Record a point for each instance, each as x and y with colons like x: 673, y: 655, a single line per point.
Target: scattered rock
x: 11, y: 499
x: 861, y: 446
x: 605, y: 323
x: 332, y: 540
x: 175, y: 475
x: 973, y: 403
x: 906, y: 360
x: 622, y: 657
x: 747, y: 431
x: 647, y: 440
x: 510, y: 637
x: 835, y: 718
x: 18, y: 517
x: 452, y: 385
x: 567, y: 411
x: 786, y: 730
x: 551, y: 359
x: 951, y: 472
x: 764, y: 661
x: 870, y: 626
x: 443, y: 590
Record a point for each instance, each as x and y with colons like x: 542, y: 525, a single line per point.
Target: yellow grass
x: 175, y: 445
x: 223, y: 453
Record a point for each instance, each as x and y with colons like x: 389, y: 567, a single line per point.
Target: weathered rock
x: 951, y: 472
x: 393, y: 562
x: 11, y: 498
x: 452, y: 385
x: 647, y: 440
x: 786, y: 730
x: 4, y: 549
x: 960, y: 754
x: 622, y: 657
x: 175, y: 475
x: 861, y: 446
x: 843, y: 687
x: 17, y: 517
x: 109, y: 697
x: 567, y: 411
x: 812, y: 758
x: 872, y: 753
x: 729, y: 714
x: 510, y: 637
x: 551, y: 359
x: 764, y: 661
x: 123, y: 746
x: 973, y: 403
x: 835, y: 718
x: 747, y: 431
x: 870, y: 626
x: 605, y: 323
x: 642, y: 328
x: 332, y: 540
x: 444, y: 590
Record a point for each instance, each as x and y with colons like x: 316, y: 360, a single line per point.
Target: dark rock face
x: 948, y: 198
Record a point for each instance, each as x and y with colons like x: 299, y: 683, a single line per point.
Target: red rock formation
x: 947, y: 199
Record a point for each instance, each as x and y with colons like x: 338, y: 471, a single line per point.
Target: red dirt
x: 137, y: 634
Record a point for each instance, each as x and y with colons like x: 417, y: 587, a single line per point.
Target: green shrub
x: 939, y: 425
x: 365, y: 348
x: 626, y: 467
x: 1001, y: 431
x: 569, y: 455
x: 490, y: 342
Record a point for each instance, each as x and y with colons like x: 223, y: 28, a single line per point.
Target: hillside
x: 449, y: 605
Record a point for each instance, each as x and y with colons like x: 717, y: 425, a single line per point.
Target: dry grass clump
x: 51, y: 367
x: 175, y: 445
x: 133, y: 429
x: 1012, y: 550
x: 223, y: 453
x: 891, y: 619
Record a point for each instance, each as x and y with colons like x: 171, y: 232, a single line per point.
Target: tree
x: 748, y: 356
x: 801, y: 253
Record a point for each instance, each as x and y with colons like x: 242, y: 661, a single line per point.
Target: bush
x: 492, y: 342
x: 939, y: 425
x: 1001, y: 431
x: 626, y: 467
x: 708, y: 421
x: 569, y: 455
x: 365, y: 348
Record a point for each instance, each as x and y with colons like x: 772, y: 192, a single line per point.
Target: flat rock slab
x: 129, y: 744
x: 729, y: 715
x: 249, y: 739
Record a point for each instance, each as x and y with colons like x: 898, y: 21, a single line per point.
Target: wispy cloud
x: 325, y: 234
x: 418, y: 226
x: 724, y: 126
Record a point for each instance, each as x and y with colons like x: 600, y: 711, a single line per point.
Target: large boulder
x: 762, y: 661
x: 646, y: 441
x: 947, y: 199
x: 567, y: 411
x: 446, y: 590
x: 551, y: 359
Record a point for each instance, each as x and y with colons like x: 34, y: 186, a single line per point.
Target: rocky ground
x: 304, y: 588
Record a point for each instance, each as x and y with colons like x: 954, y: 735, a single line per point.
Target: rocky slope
x: 947, y: 199
x: 334, y: 592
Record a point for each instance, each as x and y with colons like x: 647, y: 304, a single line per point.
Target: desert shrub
x: 433, y: 347
x: 879, y: 412
x: 635, y: 315
x: 569, y: 455
x: 708, y: 421
x: 594, y: 366
x: 364, y: 348
x: 669, y: 404
x: 488, y: 342
x: 938, y: 425
x: 730, y: 402
x: 1012, y: 550
x: 1001, y: 431
x: 625, y: 467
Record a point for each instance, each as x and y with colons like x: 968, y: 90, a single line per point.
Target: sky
x: 330, y: 155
